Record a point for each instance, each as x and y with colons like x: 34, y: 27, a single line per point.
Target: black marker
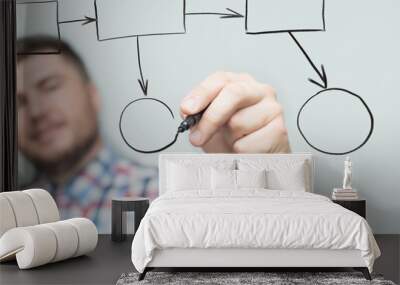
x: 190, y: 121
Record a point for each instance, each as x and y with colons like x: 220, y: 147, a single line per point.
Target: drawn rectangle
x: 275, y: 16
x: 37, y: 19
x: 129, y: 18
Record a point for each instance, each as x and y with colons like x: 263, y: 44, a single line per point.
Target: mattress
x: 250, y: 219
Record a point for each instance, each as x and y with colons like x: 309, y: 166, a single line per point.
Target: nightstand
x: 120, y: 207
x: 357, y: 206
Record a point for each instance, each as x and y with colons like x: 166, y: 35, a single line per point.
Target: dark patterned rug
x: 231, y: 278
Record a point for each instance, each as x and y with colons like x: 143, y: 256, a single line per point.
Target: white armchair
x: 31, y: 232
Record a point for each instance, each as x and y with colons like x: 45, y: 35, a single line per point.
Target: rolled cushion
x: 7, y: 218
x: 33, y: 246
x: 87, y: 234
x: 23, y: 208
x: 67, y: 239
x: 45, y: 205
x: 26, y: 208
x: 40, y: 244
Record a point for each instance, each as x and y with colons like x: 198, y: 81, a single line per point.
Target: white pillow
x: 291, y: 178
x: 281, y: 174
x: 223, y: 179
x: 193, y: 174
x: 251, y: 179
x: 237, y: 179
x: 187, y: 177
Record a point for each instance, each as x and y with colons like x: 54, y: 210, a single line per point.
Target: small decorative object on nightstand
x: 347, y: 192
x: 120, y: 207
x: 358, y: 206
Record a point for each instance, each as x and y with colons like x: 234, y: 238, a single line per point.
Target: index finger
x: 203, y: 94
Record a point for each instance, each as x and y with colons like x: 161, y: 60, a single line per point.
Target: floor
x: 110, y: 260
x: 389, y: 262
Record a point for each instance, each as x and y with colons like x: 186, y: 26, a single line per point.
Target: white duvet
x: 251, y: 218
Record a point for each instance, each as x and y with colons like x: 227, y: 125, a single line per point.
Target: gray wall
x: 360, y: 51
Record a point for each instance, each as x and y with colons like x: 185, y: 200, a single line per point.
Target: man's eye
x: 51, y: 85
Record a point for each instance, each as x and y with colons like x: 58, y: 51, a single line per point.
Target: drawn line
x: 316, y: 83
x: 36, y: 2
x: 184, y: 15
x: 321, y: 75
x: 72, y: 21
x: 139, y: 35
x: 126, y: 141
x: 233, y: 11
x: 97, y: 20
x: 246, y: 15
x: 85, y: 21
x: 284, y: 31
x: 233, y: 14
x: 323, y: 14
x: 143, y: 85
x: 58, y: 25
x: 371, y: 130
x: 204, y: 13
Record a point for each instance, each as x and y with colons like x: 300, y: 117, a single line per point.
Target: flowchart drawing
x: 321, y: 74
x: 33, y: 24
x: 33, y: 11
x: 272, y: 16
x: 119, y: 19
x: 121, y: 125
x: 144, y: 83
x: 335, y: 92
x: 154, y: 18
x: 323, y: 83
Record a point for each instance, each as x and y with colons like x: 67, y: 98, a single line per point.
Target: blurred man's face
x: 57, y: 110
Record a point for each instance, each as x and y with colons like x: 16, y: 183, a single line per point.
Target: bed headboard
x: 165, y: 158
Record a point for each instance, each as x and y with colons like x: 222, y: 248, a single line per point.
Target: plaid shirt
x: 89, y: 193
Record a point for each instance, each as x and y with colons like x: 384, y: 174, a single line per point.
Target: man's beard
x: 69, y: 159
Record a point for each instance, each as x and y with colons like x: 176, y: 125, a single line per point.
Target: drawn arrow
x: 143, y: 84
x: 321, y: 74
x: 85, y: 21
x: 232, y: 14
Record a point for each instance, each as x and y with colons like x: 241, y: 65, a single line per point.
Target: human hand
x: 242, y: 116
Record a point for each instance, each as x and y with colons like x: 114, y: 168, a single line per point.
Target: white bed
x: 198, y: 223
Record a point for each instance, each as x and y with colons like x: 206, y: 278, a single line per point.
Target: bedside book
x: 341, y: 190
x: 344, y: 194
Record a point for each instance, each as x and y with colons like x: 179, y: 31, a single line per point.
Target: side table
x: 357, y: 206
x: 120, y: 206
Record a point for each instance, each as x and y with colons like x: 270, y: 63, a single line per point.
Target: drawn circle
x: 335, y: 92
x: 126, y: 109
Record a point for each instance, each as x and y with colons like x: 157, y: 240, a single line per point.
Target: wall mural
x: 256, y: 23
